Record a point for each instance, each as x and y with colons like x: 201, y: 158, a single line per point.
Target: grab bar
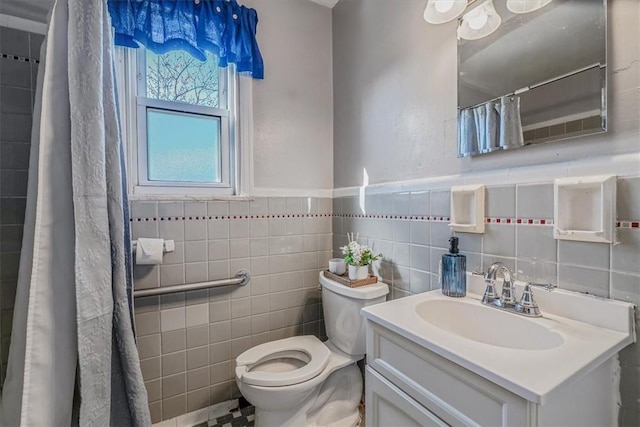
x: 241, y: 278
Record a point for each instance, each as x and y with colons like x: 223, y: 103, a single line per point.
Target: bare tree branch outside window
x: 177, y: 76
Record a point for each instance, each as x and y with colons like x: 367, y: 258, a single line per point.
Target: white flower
x: 357, y: 254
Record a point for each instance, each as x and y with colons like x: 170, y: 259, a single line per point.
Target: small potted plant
x: 358, y: 257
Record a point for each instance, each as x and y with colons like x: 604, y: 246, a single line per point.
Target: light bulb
x: 526, y: 6
x: 441, y: 11
x: 479, y: 21
x: 443, y: 6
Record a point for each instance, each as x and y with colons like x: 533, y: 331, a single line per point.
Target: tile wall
x: 19, y: 53
x: 188, y: 341
x: 410, y: 229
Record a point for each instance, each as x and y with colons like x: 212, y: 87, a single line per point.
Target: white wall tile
x: 170, y: 209
x: 196, y: 272
x: 238, y: 228
x: 218, y: 270
x: 194, y: 251
x: 172, y: 319
x: 259, y: 206
x: 239, y: 208
x: 197, y: 315
x: 195, y: 230
x: 277, y: 205
x: 259, y: 228
x: 218, y: 250
x: 218, y: 208
x: 172, y: 275
x: 195, y: 209
x: 218, y: 228
x: 239, y: 248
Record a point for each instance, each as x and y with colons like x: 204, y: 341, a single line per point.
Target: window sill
x: 187, y: 197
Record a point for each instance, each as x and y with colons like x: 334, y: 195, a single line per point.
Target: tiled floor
x: 244, y: 417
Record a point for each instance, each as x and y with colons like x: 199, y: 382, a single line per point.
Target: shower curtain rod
x: 533, y: 86
x: 241, y: 278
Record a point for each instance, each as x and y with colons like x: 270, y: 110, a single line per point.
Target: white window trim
x: 241, y: 138
x: 244, y: 163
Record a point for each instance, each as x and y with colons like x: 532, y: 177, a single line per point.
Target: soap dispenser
x: 454, y: 271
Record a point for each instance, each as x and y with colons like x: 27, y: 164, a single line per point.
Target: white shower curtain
x: 73, y: 358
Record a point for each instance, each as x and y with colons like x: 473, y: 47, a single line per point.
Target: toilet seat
x: 308, y: 347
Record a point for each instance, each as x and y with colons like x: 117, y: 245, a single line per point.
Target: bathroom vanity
x: 437, y: 361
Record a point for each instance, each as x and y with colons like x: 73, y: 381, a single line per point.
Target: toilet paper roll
x: 149, y: 251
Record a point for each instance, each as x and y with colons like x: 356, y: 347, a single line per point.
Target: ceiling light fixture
x: 441, y: 11
x: 526, y: 6
x: 479, y: 22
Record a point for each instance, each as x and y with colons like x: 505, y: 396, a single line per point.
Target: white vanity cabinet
x: 435, y: 360
x: 410, y: 385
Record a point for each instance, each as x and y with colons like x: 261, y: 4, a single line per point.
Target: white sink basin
x: 488, y: 325
x: 530, y: 357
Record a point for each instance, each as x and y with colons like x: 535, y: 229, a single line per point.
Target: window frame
x: 130, y: 65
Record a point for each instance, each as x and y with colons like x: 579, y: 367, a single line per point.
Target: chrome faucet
x: 507, y: 300
x: 507, y: 296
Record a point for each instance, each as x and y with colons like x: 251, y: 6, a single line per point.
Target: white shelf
x: 584, y: 209
x: 467, y: 209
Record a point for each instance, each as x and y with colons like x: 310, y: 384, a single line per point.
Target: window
x: 179, y: 123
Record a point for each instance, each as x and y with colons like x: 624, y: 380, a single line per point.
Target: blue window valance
x: 222, y: 27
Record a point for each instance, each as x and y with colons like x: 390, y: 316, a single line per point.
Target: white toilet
x: 302, y: 381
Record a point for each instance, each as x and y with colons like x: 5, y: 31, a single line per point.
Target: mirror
x: 539, y: 77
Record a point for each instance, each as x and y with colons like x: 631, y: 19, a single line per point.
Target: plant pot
x: 358, y: 272
x: 337, y: 266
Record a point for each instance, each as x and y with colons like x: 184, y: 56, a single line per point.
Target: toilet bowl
x: 284, y: 378
x: 302, y: 381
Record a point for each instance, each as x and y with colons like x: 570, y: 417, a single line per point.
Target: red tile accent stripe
x: 229, y: 217
x: 399, y: 217
x: 628, y: 224
x: 507, y: 221
x: 529, y: 221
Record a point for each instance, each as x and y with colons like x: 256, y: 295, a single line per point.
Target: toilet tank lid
x: 362, y: 292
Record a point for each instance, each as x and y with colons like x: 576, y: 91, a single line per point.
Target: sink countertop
x: 592, y: 329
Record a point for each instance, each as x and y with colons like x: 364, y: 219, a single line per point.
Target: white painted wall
x: 293, y: 105
x: 395, y: 97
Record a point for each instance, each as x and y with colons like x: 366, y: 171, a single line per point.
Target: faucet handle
x: 489, y: 293
x: 546, y: 286
x: 527, y: 304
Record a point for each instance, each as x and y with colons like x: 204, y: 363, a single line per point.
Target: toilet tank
x: 341, y: 306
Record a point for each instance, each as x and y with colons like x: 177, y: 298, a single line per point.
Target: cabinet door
x: 387, y: 406
x: 456, y: 395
